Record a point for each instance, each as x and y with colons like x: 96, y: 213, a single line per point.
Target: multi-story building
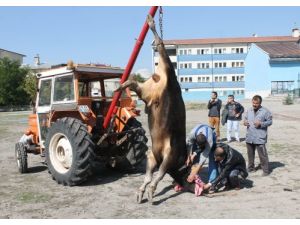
x: 214, y: 64
x: 11, y: 55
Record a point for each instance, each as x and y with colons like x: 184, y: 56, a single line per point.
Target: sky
x: 107, y: 34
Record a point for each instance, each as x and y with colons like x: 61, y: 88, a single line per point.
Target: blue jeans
x: 212, y: 167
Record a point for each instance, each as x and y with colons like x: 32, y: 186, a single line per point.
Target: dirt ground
x: 111, y: 194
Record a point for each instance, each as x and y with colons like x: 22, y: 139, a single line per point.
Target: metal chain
x: 161, y: 22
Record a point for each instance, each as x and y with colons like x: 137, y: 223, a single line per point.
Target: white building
x: 213, y: 64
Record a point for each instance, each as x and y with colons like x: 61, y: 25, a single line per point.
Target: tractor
x: 67, y: 128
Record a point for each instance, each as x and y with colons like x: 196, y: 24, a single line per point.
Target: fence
x: 15, y: 108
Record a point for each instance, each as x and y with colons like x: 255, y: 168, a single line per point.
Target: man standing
x: 231, y: 167
x: 214, y: 106
x: 257, y: 120
x: 235, y: 111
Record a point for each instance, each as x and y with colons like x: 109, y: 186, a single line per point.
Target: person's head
x: 214, y: 95
x: 201, y: 141
x: 219, y: 154
x: 256, y: 102
x: 230, y: 98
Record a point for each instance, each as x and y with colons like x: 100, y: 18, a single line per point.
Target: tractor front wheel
x: 21, y: 157
x: 69, y: 151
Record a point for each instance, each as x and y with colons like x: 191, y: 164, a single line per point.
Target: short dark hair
x: 201, y: 139
x: 231, y: 96
x: 214, y: 92
x: 257, y: 97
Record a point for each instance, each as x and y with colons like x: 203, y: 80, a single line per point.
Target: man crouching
x: 231, y: 167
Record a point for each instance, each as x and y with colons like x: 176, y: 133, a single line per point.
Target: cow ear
x: 155, y: 77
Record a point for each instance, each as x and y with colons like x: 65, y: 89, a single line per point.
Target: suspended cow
x: 166, y: 117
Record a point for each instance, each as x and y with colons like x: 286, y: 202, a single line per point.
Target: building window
x: 198, y: 52
x: 220, y: 79
x: 242, y: 78
x: 233, y: 78
x: 242, y: 92
x: 225, y: 79
x: 181, y: 79
x: 190, y: 79
x: 186, y: 90
x: 189, y: 51
x: 199, y: 79
x: 216, y: 79
x: 207, y: 79
x: 185, y: 79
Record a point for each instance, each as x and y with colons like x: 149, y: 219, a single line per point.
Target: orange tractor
x: 67, y: 127
x: 80, y: 120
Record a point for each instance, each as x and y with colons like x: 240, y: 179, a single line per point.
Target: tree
x: 12, y: 77
x: 138, y: 77
x: 30, y: 86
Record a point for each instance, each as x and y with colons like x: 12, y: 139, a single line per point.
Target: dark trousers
x: 231, y: 181
x: 263, y: 156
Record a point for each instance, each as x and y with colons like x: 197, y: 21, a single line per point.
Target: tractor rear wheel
x: 135, y: 148
x: 21, y: 157
x: 69, y: 151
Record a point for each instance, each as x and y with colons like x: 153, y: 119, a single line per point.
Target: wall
x: 287, y: 71
x: 257, y: 73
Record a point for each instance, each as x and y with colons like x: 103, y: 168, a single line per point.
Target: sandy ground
x: 111, y: 194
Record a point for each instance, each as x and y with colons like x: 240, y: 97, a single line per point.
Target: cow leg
x: 151, y: 24
x: 133, y: 86
x: 151, y: 165
x: 161, y: 173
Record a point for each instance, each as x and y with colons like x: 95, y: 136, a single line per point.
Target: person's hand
x: 257, y: 123
x: 188, y: 160
x: 246, y: 123
x: 237, y: 115
x: 191, y: 178
x: 207, y: 186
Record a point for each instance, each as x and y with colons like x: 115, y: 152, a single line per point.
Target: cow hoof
x: 139, y: 197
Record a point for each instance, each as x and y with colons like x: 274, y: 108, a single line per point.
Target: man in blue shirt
x: 201, y: 144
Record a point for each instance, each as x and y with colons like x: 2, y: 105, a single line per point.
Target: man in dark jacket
x: 231, y: 165
x: 234, y: 116
x: 214, y: 106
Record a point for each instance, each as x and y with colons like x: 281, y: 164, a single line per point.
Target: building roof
x: 1, y: 49
x: 281, y: 49
x: 230, y: 40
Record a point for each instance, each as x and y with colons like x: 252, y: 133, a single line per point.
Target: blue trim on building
x: 230, y: 70
x: 210, y: 57
x: 204, y: 96
x: 239, y: 84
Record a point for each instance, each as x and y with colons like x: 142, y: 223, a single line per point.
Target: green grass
x: 32, y: 197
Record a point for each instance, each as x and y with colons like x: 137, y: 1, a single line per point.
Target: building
x: 12, y: 55
x: 272, y: 68
x: 214, y: 64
